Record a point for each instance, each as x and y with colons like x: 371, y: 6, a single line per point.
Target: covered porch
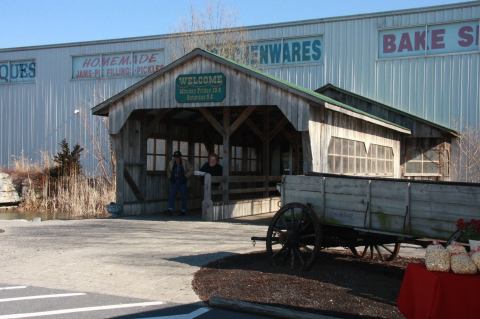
x: 202, y: 104
x: 255, y: 145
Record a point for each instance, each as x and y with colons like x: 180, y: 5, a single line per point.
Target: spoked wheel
x: 294, y: 236
x: 383, y: 251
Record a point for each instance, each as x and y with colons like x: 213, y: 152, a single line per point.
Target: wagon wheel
x: 294, y: 235
x: 384, y: 252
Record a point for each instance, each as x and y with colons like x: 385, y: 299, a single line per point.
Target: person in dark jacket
x: 212, y: 167
x: 179, y: 171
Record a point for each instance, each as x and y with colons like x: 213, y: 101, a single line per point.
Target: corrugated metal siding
x: 444, y: 89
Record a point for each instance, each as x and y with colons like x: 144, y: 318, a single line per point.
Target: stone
x: 8, y: 193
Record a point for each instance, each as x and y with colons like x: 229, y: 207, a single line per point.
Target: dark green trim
x: 388, y: 107
x: 102, y: 108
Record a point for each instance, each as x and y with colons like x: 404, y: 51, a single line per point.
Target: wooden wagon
x: 377, y: 214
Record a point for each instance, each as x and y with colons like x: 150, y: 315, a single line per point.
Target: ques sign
x: 17, y: 71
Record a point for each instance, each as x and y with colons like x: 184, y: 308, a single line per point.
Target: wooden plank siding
x: 242, y: 90
x: 325, y: 124
x: 433, y: 208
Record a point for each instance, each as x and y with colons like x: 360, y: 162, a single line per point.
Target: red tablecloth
x: 435, y: 295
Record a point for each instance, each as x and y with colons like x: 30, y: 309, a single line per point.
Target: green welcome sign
x: 196, y: 88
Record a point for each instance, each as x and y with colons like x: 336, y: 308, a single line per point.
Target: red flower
x: 460, y: 224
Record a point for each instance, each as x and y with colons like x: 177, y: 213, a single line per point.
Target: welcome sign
x: 126, y: 64
x: 206, y: 87
x: 429, y: 40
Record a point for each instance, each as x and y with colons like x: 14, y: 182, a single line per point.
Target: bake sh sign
x: 429, y: 40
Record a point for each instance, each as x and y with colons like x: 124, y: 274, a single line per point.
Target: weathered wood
x: 241, y: 118
x: 212, y: 120
x: 242, y: 208
x: 130, y: 181
x: 226, y: 153
x: 419, y: 209
x: 255, y: 129
x: 277, y: 129
x: 246, y: 190
x: 207, y: 203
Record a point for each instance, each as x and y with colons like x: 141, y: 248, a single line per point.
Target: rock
x: 8, y: 194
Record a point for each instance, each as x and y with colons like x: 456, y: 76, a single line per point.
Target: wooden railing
x: 234, y: 185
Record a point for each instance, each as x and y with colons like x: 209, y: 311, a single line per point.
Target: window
x: 218, y: 149
x: 181, y: 146
x: 251, y: 159
x: 380, y: 160
x: 156, y: 154
x: 422, y: 160
x: 200, y: 155
x: 346, y: 156
x: 237, y: 159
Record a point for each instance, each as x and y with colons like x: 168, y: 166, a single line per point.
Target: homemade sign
x: 126, y: 64
x: 286, y: 51
x: 206, y: 87
x: 17, y: 71
x: 429, y: 40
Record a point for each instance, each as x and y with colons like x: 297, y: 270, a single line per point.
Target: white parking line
x: 13, y: 287
x: 42, y: 297
x: 84, y: 309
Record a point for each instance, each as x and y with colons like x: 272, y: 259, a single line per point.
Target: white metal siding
x: 444, y: 89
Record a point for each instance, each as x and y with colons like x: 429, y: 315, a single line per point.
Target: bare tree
x: 467, y: 147
x: 213, y: 29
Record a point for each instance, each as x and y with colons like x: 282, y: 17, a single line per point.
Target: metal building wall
x: 444, y: 88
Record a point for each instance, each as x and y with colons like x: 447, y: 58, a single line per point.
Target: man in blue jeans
x: 178, y: 172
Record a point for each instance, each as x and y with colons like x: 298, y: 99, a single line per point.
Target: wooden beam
x: 278, y: 128
x: 157, y: 118
x: 136, y: 191
x: 266, y: 149
x: 241, y: 118
x: 212, y: 120
x: 226, y: 153
x: 255, y: 129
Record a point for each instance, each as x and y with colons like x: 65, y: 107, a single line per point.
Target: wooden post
x: 143, y: 160
x: 266, y: 149
x: 226, y: 154
x: 120, y: 167
x: 207, y: 203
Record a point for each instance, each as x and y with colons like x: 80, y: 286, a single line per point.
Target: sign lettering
x: 117, y: 65
x: 195, y: 88
x: 286, y: 51
x: 17, y: 71
x: 429, y: 40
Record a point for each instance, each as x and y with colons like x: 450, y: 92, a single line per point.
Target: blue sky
x: 34, y: 22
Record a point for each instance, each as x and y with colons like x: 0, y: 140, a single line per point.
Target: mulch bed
x: 338, y: 284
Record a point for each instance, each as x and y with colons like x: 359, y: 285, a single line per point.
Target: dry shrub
x: 74, y: 196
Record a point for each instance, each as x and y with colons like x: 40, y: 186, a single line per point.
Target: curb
x: 263, y: 310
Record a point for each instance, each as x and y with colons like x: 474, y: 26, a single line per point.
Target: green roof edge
x: 317, y: 95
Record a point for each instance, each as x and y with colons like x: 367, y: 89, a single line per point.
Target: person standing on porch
x: 178, y: 172
x: 212, y: 167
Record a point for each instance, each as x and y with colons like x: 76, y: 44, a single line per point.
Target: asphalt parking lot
x: 144, y: 258
x: 33, y: 302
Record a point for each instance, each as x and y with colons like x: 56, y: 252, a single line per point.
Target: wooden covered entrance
x: 262, y: 128
x: 256, y: 129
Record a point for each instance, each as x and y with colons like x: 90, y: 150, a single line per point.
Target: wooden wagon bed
x: 397, y: 206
